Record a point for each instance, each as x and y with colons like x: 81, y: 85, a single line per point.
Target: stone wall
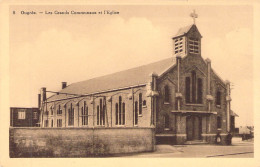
x: 79, y: 142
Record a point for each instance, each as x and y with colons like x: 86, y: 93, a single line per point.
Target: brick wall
x: 79, y: 142
x: 28, y: 121
x: 144, y: 119
x: 188, y: 64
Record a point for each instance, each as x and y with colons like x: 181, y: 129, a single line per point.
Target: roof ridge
x: 155, y: 62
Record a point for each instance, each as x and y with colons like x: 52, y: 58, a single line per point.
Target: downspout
x: 228, y: 99
x: 111, y: 110
x: 133, y: 107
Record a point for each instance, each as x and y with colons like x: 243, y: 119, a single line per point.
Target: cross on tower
x: 194, y: 15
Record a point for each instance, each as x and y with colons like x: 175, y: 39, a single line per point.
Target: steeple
x: 187, y: 41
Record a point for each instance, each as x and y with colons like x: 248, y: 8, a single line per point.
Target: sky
x: 46, y: 50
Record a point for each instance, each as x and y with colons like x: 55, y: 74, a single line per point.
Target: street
x: 238, y: 149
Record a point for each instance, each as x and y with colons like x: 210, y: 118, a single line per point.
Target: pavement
x: 238, y: 149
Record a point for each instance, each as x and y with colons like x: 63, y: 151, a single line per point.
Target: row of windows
x: 59, y: 123
x: 193, y: 91
x: 120, y: 109
x: 179, y: 45
x: 22, y: 115
x: 193, y: 45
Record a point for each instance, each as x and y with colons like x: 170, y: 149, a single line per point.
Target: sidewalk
x: 238, y: 148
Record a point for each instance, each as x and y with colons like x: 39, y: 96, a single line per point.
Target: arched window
x: 120, y: 110
x: 123, y: 114
x: 218, y: 98
x: 187, y: 89
x: 101, y: 112
x: 144, y: 103
x: 219, y: 122
x: 116, y: 113
x: 140, y: 104
x: 193, y: 83
x: 59, y: 111
x: 71, y: 115
x: 199, y: 91
x: 166, y: 121
x: 84, y: 114
x: 136, y: 113
x: 98, y: 115
x: 166, y: 94
x: 193, y: 89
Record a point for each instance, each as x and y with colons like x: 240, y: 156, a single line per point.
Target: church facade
x: 181, y: 97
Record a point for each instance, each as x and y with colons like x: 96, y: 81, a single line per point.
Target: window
x: 166, y: 94
x: 116, y: 113
x: 46, y: 123
x: 193, y: 83
x: 187, y: 89
x: 59, y: 122
x: 52, y: 123
x: 120, y: 112
x: 71, y: 116
x: 194, y: 46
x: 84, y: 114
x: 193, y: 89
x: 136, y: 113
x: 219, y: 122
x: 199, y: 90
x: 35, y: 115
x: 140, y: 104
x: 51, y: 111
x: 21, y: 114
x: 144, y: 103
x: 218, y: 98
x: 166, y: 122
x: 100, y: 113
x: 123, y: 114
x: 178, y: 45
x: 59, y: 111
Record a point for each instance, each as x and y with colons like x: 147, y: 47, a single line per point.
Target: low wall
x: 79, y: 142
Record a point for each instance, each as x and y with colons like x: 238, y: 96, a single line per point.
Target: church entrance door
x: 193, y: 127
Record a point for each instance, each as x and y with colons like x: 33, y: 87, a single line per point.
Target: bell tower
x: 187, y: 41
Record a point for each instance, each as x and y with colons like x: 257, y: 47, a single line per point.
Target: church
x: 181, y: 97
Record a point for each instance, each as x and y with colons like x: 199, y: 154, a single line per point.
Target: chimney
x: 39, y: 101
x: 63, y: 85
x: 43, y: 93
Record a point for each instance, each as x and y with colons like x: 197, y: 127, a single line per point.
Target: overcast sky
x: 48, y: 49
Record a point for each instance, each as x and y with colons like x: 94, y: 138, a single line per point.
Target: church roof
x: 183, y: 30
x: 131, y: 77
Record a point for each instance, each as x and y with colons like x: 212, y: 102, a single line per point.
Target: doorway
x: 193, y: 127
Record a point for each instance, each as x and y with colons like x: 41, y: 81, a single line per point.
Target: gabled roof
x: 122, y: 79
x: 184, y: 30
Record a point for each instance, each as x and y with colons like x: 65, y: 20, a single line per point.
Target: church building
x: 181, y: 97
